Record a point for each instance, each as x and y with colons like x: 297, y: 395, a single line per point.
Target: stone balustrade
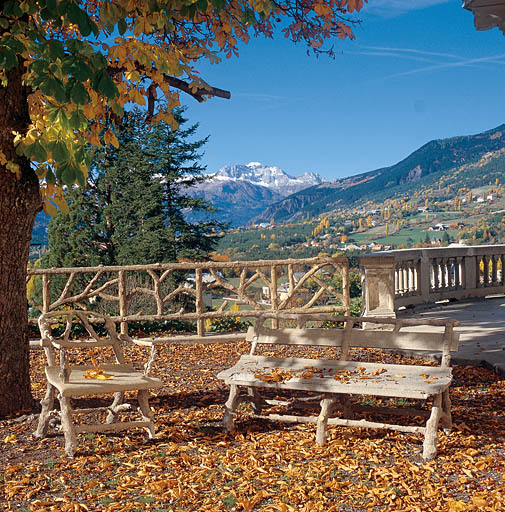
x: 409, y: 277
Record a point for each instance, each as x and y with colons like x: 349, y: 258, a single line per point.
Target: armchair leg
x: 147, y: 415
x: 45, y: 414
x: 114, y: 408
x: 68, y: 425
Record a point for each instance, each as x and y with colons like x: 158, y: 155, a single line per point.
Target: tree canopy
x: 84, y: 61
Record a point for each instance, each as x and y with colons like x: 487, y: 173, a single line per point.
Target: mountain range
x: 238, y: 193
x: 437, y: 157
x: 241, y: 192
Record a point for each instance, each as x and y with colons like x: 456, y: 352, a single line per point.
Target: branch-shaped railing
x: 197, y: 291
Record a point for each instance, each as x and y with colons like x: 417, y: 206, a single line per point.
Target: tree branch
x: 199, y: 94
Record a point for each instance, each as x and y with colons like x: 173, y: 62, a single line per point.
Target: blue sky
x: 417, y: 70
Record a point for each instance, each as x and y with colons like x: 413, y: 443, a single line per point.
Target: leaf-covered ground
x: 263, y: 466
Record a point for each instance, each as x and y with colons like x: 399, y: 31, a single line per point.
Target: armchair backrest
x: 53, y: 344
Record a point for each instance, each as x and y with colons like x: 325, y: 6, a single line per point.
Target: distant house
x: 351, y: 247
x: 439, y: 227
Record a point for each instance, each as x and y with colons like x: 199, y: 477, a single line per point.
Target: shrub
x: 228, y: 324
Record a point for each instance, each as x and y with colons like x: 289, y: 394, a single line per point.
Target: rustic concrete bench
x: 334, y: 380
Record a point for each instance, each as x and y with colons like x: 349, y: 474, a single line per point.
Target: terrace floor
x: 482, y: 330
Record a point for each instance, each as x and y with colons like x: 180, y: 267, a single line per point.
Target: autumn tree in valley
x: 68, y: 68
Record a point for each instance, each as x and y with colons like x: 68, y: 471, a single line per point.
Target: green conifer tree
x: 133, y: 209
x: 176, y: 157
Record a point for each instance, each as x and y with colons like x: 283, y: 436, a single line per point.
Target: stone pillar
x: 378, y: 286
x: 470, y: 272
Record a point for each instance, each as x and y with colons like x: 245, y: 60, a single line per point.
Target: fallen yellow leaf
x: 478, y: 501
x: 456, y: 505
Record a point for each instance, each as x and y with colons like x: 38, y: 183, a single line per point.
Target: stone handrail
x: 421, y: 276
x: 180, y: 291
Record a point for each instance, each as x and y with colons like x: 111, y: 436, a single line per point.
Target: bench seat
x: 354, y: 377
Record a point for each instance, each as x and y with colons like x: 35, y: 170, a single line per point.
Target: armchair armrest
x: 145, y: 342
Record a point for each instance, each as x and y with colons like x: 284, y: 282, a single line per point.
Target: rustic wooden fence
x: 196, y: 291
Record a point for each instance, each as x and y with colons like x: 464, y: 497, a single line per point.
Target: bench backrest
x: 405, y: 340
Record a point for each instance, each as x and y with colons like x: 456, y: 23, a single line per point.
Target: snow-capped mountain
x: 240, y: 192
x: 269, y: 176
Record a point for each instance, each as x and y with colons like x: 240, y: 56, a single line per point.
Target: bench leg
x: 229, y: 408
x: 257, y: 402
x: 67, y: 425
x: 446, y: 419
x: 147, y: 415
x: 347, y: 411
x: 327, y: 408
x: 430, y: 435
x: 45, y: 414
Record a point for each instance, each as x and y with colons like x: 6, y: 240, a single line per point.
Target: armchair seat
x: 124, y: 378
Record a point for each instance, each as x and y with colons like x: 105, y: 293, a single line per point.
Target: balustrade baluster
x: 494, y: 273
x: 412, y: 287
x: 436, y: 275
x: 417, y: 271
x: 457, y: 273
x: 480, y: 279
x: 452, y: 273
x: 200, y: 324
x: 486, y: 270
x: 443, y: 272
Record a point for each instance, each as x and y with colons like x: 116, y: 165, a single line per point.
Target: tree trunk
x: 19, y: 203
